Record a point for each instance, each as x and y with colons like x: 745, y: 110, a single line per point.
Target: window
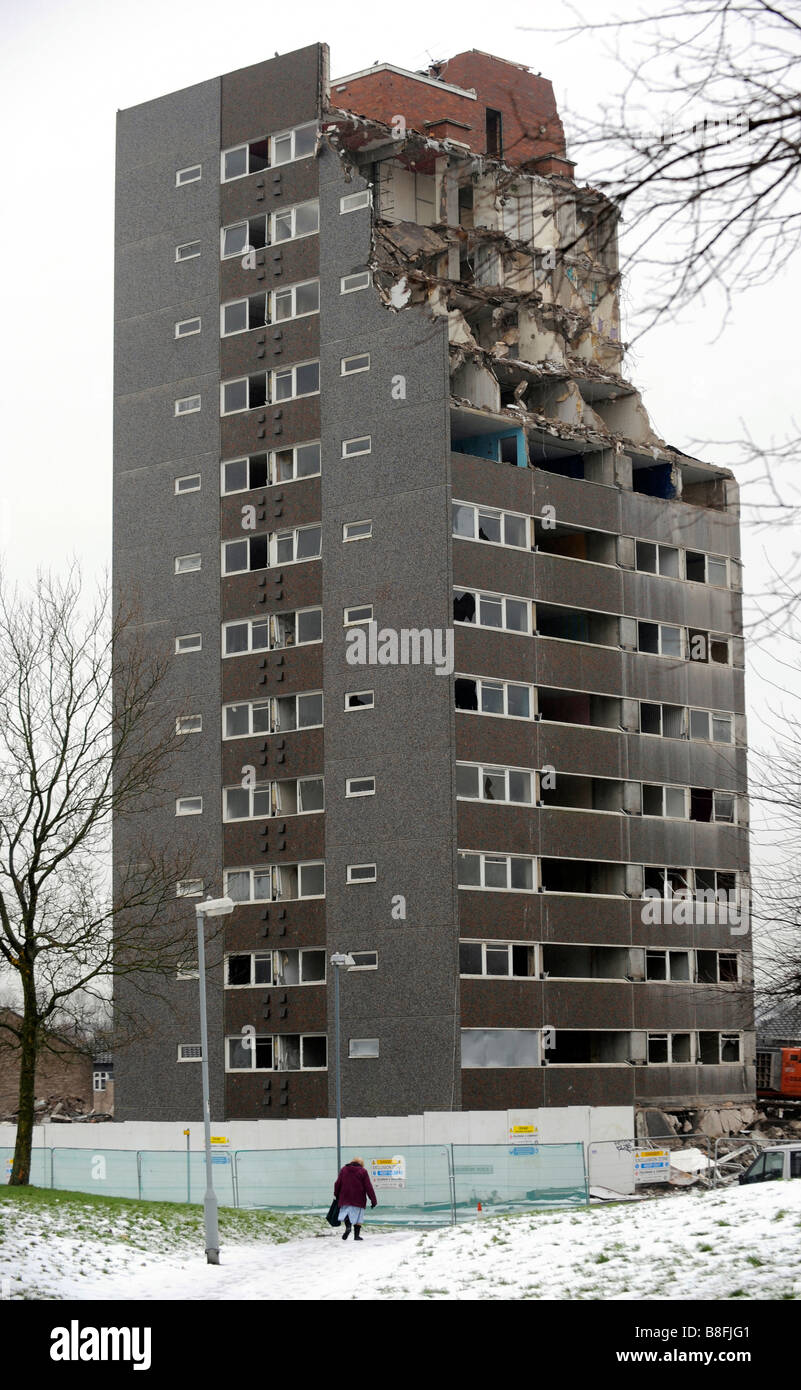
x: 297, y: 461
x: 364, y: 960
x: 718, y: 1047
x: 669, y: 1047
x: 280, y: 967
x: 240, y: 237
x: 492, y: 610
x: 191, y: 643
x: 357, y: 531
x: 475, y: 782
x: 252, y: 553
x: 242, y: 475
x: 100, y: 1080
x: 487, y: 524
x: 353, y: 616
x: 187, y: 970
x: 190, y: 1052
x: 295, y: 301
x: 362, y: 1047
x: 506, y: 959
x: 361, y: 873
x: 669, y: 721
x: 188, y: 251
x: 349, y: 284
x: 186, y: 327
x: 353, y: 201
x: 360, y: 363
x: 292, y: 223
x: 664, y: 801
x: 723, y: 807
x: 189, y: 806
x: 282, y: 1052
x: 360, y: 786
x: 241, y: 315
x: 185, y: 564
x: 707, y: 569
x: 359, y: 699
x: 190, y: 482
x: 187, y: 405
x: 500, y: 1047
x: 508, y: 872
x: 293, y: 382
x: 250, y: 717
x: 482, y: 696
x: 658, y: 559
x: 302, y: 543
x: 351, y: 448
x: 276, y: 883
x: 244, y: 393
x: 705, y: 725
x: 666, y: 966
x: 244, y: 159
x: 188, y: 175
x: 280, y: 631
x: 660, y: 639
x: 189, y: 888
x: 189, y: 724
x: 294, y: 797
x: 294, y: 144
x: 494, y: 130
x: 717, y: 967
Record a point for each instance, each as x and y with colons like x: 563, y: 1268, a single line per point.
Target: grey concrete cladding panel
x: 148, y: 353
x: 147, y: 429
x: 188, y: 120
x: 407, y: 829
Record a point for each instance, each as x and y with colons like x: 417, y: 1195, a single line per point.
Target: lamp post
x: 212, y: 907
x: 339, y: 962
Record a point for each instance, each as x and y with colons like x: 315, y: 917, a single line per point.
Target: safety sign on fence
x: 388, y: 1172
x: 652, y: 1165
x: 524, y: 1140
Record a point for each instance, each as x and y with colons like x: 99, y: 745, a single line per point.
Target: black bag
x: 332, y: 1217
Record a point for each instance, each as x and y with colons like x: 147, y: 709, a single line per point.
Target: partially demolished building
x: 457, y: 637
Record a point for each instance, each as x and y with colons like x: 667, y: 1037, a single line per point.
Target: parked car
x: 781, y: 1161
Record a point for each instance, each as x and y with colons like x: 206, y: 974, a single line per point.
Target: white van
x: 780, y: 1161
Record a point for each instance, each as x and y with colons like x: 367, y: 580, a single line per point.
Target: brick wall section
x: 527, y: 105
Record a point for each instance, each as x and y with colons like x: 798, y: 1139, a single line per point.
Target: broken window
x: 242, y: 475
x: 240, y: 315
x: 494, y: 697
x: 723, y: 807
x: 496, y: 958
x: 494, y: 131
x: 243, y: 393
x: 505, y: 784
x: 240, y: 237
x: 728, y: 972
x: 359, y: 699
x: 700, y: 804
x: 657, y: 1047
x: 582, y: 876
x: 241, y: 160
x: 709, y: 1048
x: 664, y: 801
x: 466, y: 205
x: 297, y: 629
x: 252, y: 553
x: 658, y: 559
x: 492, y: 610
x: 487, y: 524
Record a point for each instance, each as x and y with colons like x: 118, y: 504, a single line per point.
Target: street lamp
x: 212, y: 907
x: 339, y: 962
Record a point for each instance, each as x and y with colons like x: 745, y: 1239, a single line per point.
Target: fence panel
x: 611, y: 1162
x: 506, y: 1178
x: 412, y: 1183
x: 164, y: 1176
x: 40, y: 1166
x: 111, y: 1172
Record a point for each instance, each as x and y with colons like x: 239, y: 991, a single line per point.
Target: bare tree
x: 70, y: 749
x: 701, y: 150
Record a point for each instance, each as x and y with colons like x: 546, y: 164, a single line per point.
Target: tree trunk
x: 21, y: 1166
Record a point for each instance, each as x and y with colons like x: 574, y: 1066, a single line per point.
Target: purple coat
x: 353, y: 1187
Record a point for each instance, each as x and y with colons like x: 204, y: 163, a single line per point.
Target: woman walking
x: 351, y: 1189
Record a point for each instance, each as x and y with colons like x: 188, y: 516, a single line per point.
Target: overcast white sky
x: 68, y: 65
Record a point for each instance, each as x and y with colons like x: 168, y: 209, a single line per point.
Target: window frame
x: 501, y: 513
x: 354, y: 795
x: 183, y: 246
x: 181, y: 323
x: 493, y: 681
x: 188, y: 569
x: 189, y: 169
x: 276, y: 372
x: 478, y: 595
x: 357, y: 453
x: 494, y: 768
x: 366, y: 196
x: 198, y: 1046
x: 349, y: 540
x: 292, y: 131
x: 349, y: 709
x: 293, y: 209
x: 355, y: 275
x: 185, y: 400
x: 181, y: 718
x: 364, y: 878
x: 185, y: 477
x: 182, y: 801
x: 188, y: 637
x: 483, y: 856
x: 344, y: 370
x: 292, y: 290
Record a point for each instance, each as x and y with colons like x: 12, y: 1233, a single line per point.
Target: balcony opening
x: 577, y: 625
x: 571, y: 707
x: 575, y: 544
x: 577, y: 1047
x: 586, y: 962
x: 582, y: 876
x: 584, y: 794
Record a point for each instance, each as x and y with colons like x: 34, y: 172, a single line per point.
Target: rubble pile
x: 59, y: 1109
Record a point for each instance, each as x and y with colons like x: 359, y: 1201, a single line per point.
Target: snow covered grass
x: 739, y: 1243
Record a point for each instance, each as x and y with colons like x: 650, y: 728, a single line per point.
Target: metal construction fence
x: 434, y: 1184
x: 620, y: 1165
